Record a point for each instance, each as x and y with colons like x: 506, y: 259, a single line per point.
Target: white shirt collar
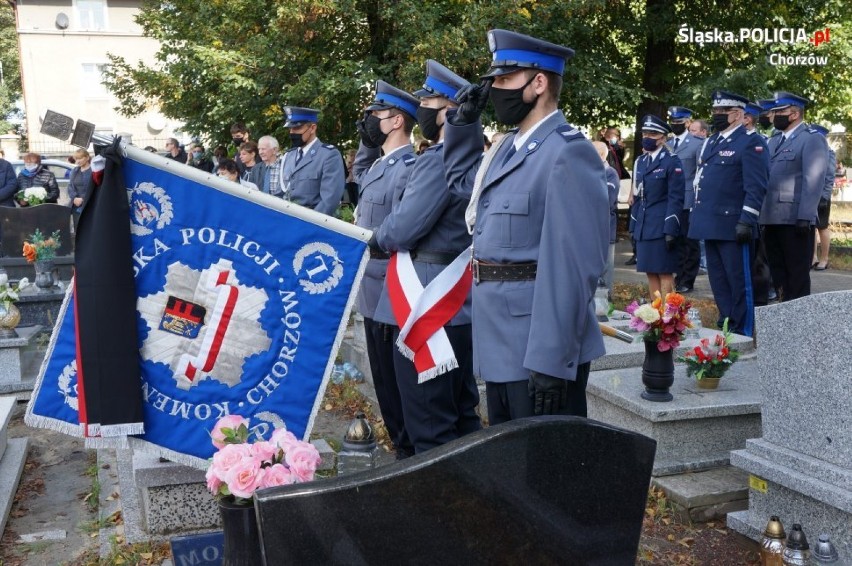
x: 789, y: 133
x: 396, y: 150
x: 520, y: 140
x: 726, y: 134
x: 308, y: 146
x: 682, y: 136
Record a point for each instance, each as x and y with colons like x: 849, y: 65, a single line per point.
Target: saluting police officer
x: 797, y: 161
x: 686, y: 147
x: 660, y: 181
x: 312, y: 172
x: 540, y: 221
x: 429, y: 223
x: 729, y: 190
x: 386, y: 126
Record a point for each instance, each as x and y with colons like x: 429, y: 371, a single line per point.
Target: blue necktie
x: 298, y: 155
x: 677, y: 143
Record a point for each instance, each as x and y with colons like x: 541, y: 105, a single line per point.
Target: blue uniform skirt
x: 652, y: 257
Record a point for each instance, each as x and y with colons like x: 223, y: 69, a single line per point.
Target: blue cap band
x: 302, y: 118
x: 440, y: 88
x: 789, y: 102
x: 391, y: 100
x: 520, y: 57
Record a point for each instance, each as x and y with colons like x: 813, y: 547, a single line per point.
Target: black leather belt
x: 425, y: 256
x: 503, y: 271
x: 376, y: 254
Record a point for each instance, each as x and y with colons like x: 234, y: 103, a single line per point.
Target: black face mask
x: 764, y: 121
x: 509, y: 104
x: 427, y: 119
x: 720, y: 122
x: 649, y: 144
x: 373, y: 127
x: 237, y: 141
x: 781, y: 122
x: 678, y: 129
x: 296, y: 140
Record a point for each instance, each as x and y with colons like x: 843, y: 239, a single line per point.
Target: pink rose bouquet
x: 239, y: 467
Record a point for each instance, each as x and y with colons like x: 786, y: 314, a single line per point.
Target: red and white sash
x: 421, y: 313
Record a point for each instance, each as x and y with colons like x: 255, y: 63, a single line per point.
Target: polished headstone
x: 545, y: 490
x: 198, y: 550
x: 18, y: 224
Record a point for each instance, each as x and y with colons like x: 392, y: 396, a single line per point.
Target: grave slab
x: 18, y: 359
x: 11, y: 467
x: 502, y: 495
x: 697, y: 429
x: 801, y: 468
x: 707, y: 495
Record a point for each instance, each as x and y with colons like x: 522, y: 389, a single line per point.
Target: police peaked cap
x: 296, y: 116
x: 725, y: 99
x: 766, y: 104
x: 785, y: 99
x: 679, y: 112
x: 513, y: 51
x: 440, y: 81
x: 651, y: 123
x: 388, y: 96
x: 753, y: 109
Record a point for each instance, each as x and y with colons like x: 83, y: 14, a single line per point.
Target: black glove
x: 670, y: 243
x: 823, y: 205
x: 374, y: 244
x: 473, y: 99
x: 803, y: 228
x: 362, y: 133
x: 743, y: 232
x: 549, y: 393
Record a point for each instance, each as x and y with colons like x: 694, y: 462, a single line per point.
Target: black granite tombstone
x: 17, y: 224
x: 545, y: 490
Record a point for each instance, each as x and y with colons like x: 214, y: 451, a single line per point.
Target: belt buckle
x: 474, y: 267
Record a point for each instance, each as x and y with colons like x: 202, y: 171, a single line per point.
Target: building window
x: 92, y: 79
x: 91, y: 14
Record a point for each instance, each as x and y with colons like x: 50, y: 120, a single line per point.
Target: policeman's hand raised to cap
x: 549, y: 393
x: 473, y: 99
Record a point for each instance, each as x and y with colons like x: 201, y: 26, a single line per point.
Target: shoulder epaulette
x: 569, y: 132
x: 328, y: 146
x: 409, y: 159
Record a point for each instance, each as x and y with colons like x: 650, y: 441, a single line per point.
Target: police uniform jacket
x: 547, y: 204
x: 828, y: 188
x: 613, y: 184
x: 687, y: 151
x: 317, y: 181
x: 429, y: 219
x: 381, y: 189
x: 732, y: 179
x: 796, y: 177
x: 660, y: 199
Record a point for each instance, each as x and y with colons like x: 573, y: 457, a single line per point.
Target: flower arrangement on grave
x: 711, y: 359
x: 662, y: 321
x: 9, y: 293
x: 32, y: 196
x: 39, y: 248
x: 239, y: 467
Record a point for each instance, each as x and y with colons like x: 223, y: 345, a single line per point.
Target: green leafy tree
x: 10, y: 87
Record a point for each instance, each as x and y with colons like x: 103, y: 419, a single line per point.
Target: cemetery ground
x: 59, y: 491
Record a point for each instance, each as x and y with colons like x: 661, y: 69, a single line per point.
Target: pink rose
x: 303, y: 460
x: 214, y: 482
x: 264, y: 451
x: 228, y: 457
x: 284, y: 438
x: 245, y: 477
x: 232, y: 422
x: 278, y: 474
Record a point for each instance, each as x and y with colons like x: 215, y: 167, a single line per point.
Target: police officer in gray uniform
x: 386, y: 126
x: 797, y: 161
x: 540, y: 233
x: 686, y: 147
x: 312, y: 172
x: 429, y: 223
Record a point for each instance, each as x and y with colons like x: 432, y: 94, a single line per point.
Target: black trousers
x: 690, y: 256
x: 443, y: 408
x: 790, y: 258
x: 380, y: 349
x: 509, y: 401
x: 761, y: 279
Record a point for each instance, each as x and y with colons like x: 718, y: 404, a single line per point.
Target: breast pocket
x: 512, y: 213
x: 372, y: 205
x: 784, y: 176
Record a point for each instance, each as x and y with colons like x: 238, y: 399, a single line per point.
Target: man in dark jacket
x: 8, y: 183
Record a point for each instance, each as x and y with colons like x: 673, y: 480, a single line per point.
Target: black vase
x: 242, y: 544
x: 657, y: 373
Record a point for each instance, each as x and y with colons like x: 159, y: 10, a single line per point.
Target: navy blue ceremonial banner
x: 242, y: 301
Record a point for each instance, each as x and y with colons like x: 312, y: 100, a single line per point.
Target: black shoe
x: 631, y: 261
x: 683, y: 289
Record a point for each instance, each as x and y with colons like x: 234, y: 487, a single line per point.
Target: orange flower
x: 29, y: 252
x: 674, y: 299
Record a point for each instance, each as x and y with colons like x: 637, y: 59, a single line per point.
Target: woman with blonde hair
x: 80, y: 180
